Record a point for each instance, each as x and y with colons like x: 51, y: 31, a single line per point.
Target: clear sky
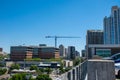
x: 29, y: 21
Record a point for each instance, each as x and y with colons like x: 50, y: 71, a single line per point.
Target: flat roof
x: 95, y: 30
x: 31, y: 46
x: 100, y: 60
x: 105, y: 45
x: 23, y: 70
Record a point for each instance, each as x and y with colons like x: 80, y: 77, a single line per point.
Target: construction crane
x: 55, y: 37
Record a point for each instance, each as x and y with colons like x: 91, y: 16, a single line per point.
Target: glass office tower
x: 112, y: 27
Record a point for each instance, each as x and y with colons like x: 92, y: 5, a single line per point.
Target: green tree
x: 20, y: 76
x: 15, y: 66
x: 43, y: 77
x: 2, y: 71
x: 68, y: 68
x: 1, y: 58
x: 61, y: 68
x: 48, y: 70
x: 1, y: 65
x: 42, y: 70
x: 76, y: 61
x: 34, y: 67
x: 17, y: 77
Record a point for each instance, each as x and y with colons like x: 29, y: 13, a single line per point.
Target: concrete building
x: 71, y: 52
x: 62, y: 50
x: 26, y: 52
x: 67, y: 63
x: 112, y: 27
x: 91, y: 70
x: 1, y: 49
x: 103, y: 50
x: 27, y: 64
x: 66, y: 52
x: 93, y: 37
x: 83, y: 53
x: 105, y: 43
x: 48, y: 52
x: 20, y: 52
x: 77, y: 54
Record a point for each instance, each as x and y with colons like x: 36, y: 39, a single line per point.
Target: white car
x: 57, y: 79
x: 117, y: 69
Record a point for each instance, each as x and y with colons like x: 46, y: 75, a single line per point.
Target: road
x: 5, y: 76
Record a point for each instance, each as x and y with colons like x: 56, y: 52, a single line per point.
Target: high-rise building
x: 1, y: 49
x: 83, y: 53
x: 71, y: 52
x: 77, y: 54
x: 94, y: 37
x: 105, y: 43
x: 112, y: 27
x: 62, y: 50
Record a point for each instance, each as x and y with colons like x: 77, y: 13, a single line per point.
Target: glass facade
x: 103, y: 52
x: 20, y: 49
x: 48, y: 49
x: 94, y: 37
x: 23, y: 52
x: 112, y: 27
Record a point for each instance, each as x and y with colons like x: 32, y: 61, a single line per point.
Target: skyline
x: 28, y: 22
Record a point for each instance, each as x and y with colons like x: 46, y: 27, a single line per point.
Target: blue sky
x: 29, y: 21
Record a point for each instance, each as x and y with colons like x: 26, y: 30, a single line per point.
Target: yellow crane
x: 56, y: 37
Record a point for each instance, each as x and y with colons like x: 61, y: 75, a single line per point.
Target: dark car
x: 115, y: 57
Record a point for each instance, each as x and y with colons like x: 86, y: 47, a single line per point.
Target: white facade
x: 68, y: 63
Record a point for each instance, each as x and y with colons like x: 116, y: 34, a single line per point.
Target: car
x: 115, y: 57
x: 117, y: 61
x: 117, y: 69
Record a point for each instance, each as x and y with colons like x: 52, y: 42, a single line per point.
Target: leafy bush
x: 33, y: 67
x: 43, y: 77
x: 2, y: 71
x: 48, y: 70
x: 77, y: 61
x: 42, y: 70
x: 1, y: 65
x: 15, y: 66
x: 20, y: 76
x: 68, y: 68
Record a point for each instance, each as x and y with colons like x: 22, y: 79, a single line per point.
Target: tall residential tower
x: 112, y: 27
x: 71, y: 52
